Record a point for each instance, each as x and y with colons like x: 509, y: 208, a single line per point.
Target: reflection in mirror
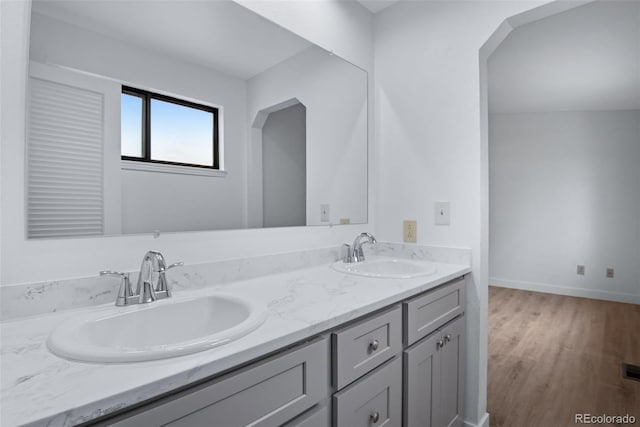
x: 206, y: 117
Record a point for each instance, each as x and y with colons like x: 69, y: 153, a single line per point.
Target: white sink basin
x: 157, y: 330
x: 390, y: 268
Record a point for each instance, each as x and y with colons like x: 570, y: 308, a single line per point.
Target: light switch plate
x: 441, y: 213
x: 325, y: 213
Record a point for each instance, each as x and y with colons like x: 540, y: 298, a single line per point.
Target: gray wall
x: 565, y: 190
x: 284, y: 167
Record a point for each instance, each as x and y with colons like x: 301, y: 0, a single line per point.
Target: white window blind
x: 64, y: 161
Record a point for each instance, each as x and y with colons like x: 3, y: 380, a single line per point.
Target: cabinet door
x: 264, y: 394
x: 372, y: 401
x: 452, y: 362
x: 422, y: 383
x: 434, y: 378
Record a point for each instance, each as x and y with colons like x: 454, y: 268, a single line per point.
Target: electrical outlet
x: 345, y: 221
x: 610, y: 273
x: 580, y: 270
x: 409, y: 231
x: 325, y: 211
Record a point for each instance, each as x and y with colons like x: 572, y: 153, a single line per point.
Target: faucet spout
x: 355, y: 252
x: 357, y: 242
x: 152, y: 262
x: 153, y: 270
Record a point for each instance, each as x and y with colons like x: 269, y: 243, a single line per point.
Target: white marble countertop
x: 39, y: 388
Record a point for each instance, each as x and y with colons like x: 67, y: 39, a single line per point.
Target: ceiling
x: 221, y: 35
x: 376, y: 6
x: 584, y: 59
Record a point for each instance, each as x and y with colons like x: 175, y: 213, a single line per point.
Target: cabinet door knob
x: 375, y: 417
x: 447, y: 338
x: 440, y: 344
x: 374, y: 346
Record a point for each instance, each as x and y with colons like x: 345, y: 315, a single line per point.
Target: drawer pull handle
x: 375, y: 417
x: 374, y: 346
x: 447, y: 338
x: 440, y: 344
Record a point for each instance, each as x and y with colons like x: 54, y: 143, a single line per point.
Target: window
x: 161, y: 129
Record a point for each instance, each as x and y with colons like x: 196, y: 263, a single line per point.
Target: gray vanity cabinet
x: 319, y: 416
x: 452, y: 362
x: 358, y: 348
x: 434, y: 378
x: 268, y: 393
x: 374, y: 400
x: 425, y: 313
x: 359, y: 374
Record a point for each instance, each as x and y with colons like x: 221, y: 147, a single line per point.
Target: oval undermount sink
x: 158, y: 330
x: 388, y: 268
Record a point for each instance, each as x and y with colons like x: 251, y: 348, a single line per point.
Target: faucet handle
x: 163, y: 290
x: 174, y: 265
x: 125, y: 293
x: 346, y: 250
x: 113, y: 273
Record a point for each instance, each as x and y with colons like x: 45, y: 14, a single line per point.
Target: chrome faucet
x: 152, y: 269
x: 354, y: 252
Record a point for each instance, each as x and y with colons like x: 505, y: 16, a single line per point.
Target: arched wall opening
x: 494, y: 41
x: 277, y: 156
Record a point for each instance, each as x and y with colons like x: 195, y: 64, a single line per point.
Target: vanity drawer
x: 374, y: 400
x: 427, y: 312
x: 360, y: 347
x: 319, y: 416
x: 264, y: 394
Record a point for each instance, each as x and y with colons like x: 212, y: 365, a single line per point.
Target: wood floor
x: 553, y: 356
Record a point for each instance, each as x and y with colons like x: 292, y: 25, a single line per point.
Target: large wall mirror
x: 166, y: 116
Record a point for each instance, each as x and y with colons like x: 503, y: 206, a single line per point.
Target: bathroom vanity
x: 414, y: 348
x: 334, y: 350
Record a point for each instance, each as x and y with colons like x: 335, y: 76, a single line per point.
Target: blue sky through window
x: 131, y: 125
x: 181, y: 134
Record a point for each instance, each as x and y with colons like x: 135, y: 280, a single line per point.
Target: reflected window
x: 160, y: 129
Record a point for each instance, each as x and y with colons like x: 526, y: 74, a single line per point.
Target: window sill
x: 175, y: 169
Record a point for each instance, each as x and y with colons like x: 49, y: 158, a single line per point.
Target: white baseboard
x: 563, y: 290
x: 484, y: 422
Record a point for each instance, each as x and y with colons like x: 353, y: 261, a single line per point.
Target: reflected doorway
x: 284, y: 180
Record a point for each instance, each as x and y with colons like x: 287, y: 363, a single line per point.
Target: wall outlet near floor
x: 325, y: 211
x: 409, y: 231
x: 345, y: 221
x: 610, y: 273
x: 580, y: 270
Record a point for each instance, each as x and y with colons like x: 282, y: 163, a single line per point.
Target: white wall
x: 65, y: 258
x: 342, y: 27
x: 334, y: 93
x: 152, y: 200
x: 428, y: 110
x: 584, y: 59
x: 284, y: 170
x: 350, y: 36
x: 176, y: 202
x: 565, y: 190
